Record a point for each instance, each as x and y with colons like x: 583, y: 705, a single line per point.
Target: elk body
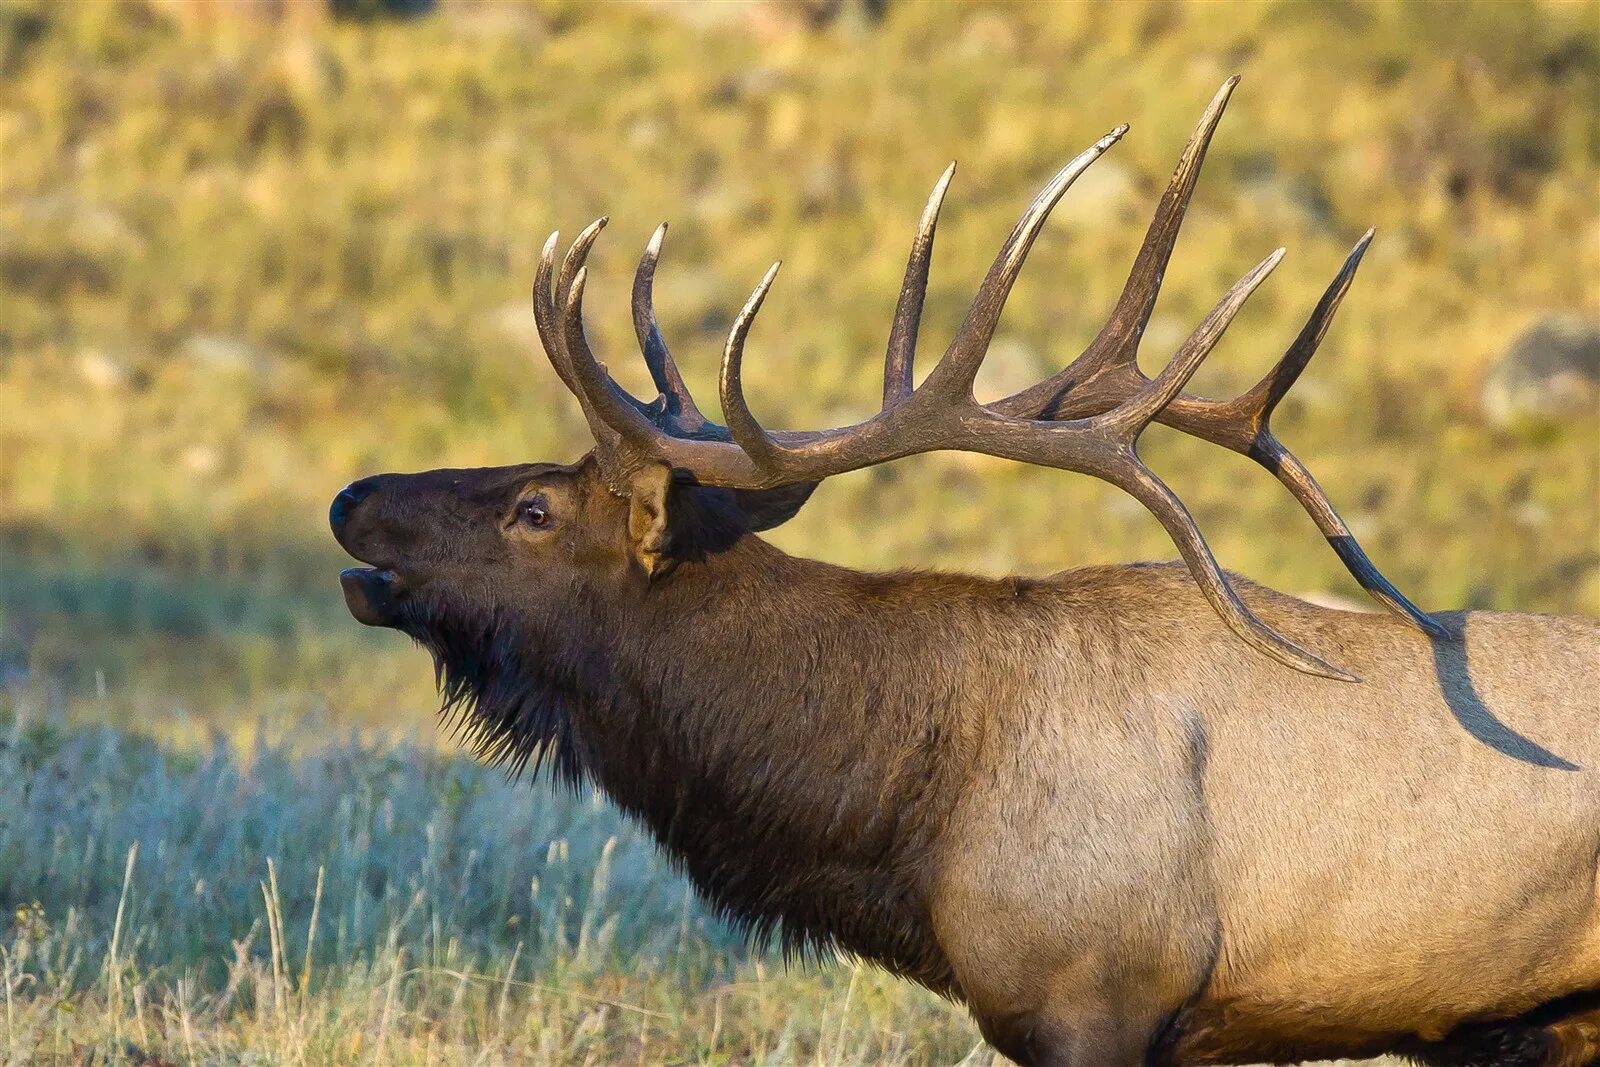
x: 1127, y: 815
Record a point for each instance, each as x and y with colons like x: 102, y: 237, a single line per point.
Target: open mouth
x: 372, y: 594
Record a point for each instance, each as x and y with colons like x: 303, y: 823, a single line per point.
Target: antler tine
x: 609, y: 401
x: 573, y: 266
x: 953, y: 376
x: 1119, y: 338
x: 1117, y: 344
x: 545, y: 316
x: 1146, y: 405
x: 624, y: 430
x: 675, y: 394
x: 1298, y: 480
x: 551, y: 337
x: 899, y: 362
x: 577, y: 256
x: 747, y: 432
x: 1103, y: 446
x: 1263, y: 398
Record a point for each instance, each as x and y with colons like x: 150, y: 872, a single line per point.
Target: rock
x: 82, y: 224
x: 200, y: 459
x: 225, y: 353
x: 101, y: 370
x: 309, y: 69
x: 1552, y: 370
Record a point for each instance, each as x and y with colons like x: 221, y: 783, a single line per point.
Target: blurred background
x: 251, y: 251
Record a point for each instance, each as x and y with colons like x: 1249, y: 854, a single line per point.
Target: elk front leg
x: 1072, y: 935
x: 1059, y: 972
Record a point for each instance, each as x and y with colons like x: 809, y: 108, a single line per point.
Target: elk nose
x: 345, y: 503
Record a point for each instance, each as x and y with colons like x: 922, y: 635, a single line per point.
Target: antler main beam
x: 1108, y: 371
x: 1086, y: 418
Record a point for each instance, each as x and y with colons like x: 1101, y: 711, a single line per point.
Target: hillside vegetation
x: 244, y: 260
x: 242, y: 263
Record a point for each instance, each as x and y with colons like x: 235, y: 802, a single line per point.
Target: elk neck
x: 794, y: 734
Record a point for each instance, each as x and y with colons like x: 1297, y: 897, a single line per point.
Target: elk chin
x: 497, y: 693
x: 372, y: 595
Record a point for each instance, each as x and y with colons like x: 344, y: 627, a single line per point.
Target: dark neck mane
x: 771, y: 720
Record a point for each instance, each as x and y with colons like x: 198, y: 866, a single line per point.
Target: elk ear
x: 765, y: 508
x: 649, y: 532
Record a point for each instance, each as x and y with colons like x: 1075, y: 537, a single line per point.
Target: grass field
x: 382, y: 903
x: 246, y: 259
x: 374, y: 902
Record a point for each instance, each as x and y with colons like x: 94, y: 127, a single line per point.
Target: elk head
x: 461, y: 556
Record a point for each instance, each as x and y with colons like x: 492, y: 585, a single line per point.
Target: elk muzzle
x: 371, y: 593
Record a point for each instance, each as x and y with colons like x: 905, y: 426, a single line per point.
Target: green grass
x: 383, y: 903
x: 242, y: 263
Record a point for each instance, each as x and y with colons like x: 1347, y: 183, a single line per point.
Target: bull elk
x: 1145, y: 814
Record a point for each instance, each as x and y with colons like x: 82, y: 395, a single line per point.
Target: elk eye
x: 533, y: 512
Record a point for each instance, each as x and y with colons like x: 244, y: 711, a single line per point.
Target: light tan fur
x: 1400, y: 855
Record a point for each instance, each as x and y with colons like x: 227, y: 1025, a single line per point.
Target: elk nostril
x: 339, y: 510
x: 343, y: 504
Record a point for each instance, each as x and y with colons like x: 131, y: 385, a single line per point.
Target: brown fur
x: 1079, y: 805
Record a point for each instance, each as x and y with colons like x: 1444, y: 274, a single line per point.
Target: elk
x: 1144, y: 814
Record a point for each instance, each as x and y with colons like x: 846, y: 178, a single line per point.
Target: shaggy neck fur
x: 773, y: 720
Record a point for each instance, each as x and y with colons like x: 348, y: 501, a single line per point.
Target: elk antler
x: 1087, y: 418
